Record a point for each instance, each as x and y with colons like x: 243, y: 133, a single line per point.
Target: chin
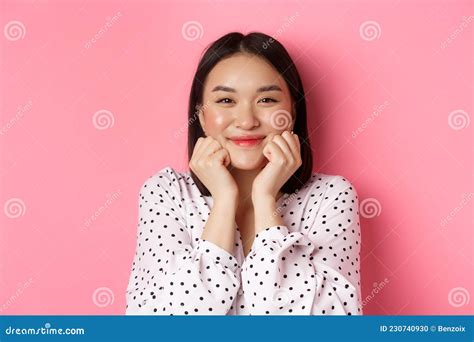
x: 248, y: 162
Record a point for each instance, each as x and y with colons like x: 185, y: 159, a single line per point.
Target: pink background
x: 389, y: 107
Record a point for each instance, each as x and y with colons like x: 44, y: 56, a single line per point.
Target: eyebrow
x: 272, y: 87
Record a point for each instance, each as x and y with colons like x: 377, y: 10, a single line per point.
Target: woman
x: 249, y: 230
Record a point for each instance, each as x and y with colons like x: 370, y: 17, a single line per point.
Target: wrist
x: 266, y: 220
x: 263, y: 200
x: 228, y: 202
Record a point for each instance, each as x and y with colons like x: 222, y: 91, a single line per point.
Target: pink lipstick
x: 247, y: 140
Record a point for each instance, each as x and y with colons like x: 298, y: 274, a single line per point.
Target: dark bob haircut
x: 275, y: 54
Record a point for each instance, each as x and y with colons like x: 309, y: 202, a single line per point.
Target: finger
x: 213, y: 146
x: 219, y: 157
x: 297, y: 139
x: 282, y: 142
x: 293, y: 143
x: 209, y: 146
x: 197, y: 145
x: 222, y: 153
x: 197, y: 151
x: 268, y: 142
x: 227, y: 158
x: 298, y: 144
x: 273, y: 152
x: 270, y: 137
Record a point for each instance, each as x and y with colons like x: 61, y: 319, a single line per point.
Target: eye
x: 224, y: 99
x: 269, y: 100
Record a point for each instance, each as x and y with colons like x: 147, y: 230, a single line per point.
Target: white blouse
x: 309, y: 266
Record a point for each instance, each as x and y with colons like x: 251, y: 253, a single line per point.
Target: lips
x: 248, y: 140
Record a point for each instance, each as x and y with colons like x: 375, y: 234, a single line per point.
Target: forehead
x: 244, y: 72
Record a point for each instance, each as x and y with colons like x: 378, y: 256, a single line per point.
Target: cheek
x: 216, y: 122
x: 278, y: 120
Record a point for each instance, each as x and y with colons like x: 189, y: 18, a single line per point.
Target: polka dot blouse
x: 309, y: 266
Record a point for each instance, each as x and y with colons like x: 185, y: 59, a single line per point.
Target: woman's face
x: 245, y: 96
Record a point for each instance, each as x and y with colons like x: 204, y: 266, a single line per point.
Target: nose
x: 246, y: 120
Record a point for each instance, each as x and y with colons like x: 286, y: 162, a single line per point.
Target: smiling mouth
x: 247, y: 142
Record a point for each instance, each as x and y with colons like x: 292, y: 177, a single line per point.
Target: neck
x: 244, y: 180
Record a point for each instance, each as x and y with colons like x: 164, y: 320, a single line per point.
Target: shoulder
x: 333, y: 204
x: 328, y: 187
x: 171, y: 183
x: 166, y: 177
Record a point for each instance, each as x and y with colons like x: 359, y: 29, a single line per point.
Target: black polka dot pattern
x: 308, y: 266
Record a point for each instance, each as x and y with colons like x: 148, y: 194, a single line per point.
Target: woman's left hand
x: 284, y: 156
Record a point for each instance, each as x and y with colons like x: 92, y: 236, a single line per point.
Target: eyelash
x: 265, y: 98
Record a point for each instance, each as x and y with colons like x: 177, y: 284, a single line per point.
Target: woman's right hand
x: 209, y: 163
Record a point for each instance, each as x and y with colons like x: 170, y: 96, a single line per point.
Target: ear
x: 201, y: 116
